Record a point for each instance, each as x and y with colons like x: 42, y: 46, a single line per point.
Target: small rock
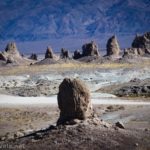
x: 33, y: 140
x: 136, y: 144
x: 135, y: 80
x: 74, y: 101
x: 38, y: 136
x: 18, y: 134
x: 96, y: 121
x: 2, y: 138
x: 120, y: 125
x: 116, y: 128
x: 55, y: 142
x: 10, y: 137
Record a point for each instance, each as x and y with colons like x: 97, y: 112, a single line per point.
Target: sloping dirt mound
x: 46, y: 61
x: 84, y: 136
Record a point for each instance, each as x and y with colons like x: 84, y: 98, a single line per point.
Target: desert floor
x: 23, y: 113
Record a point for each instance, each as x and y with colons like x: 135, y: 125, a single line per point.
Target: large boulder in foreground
x: 113, y: 48
x: 142, y: 42
x: 74, y: 101
x: 90, y: 49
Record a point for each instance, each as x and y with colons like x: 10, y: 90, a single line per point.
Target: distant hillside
x: 41, y: 20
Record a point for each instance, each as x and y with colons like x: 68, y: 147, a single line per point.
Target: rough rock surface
x: 49, y: 53
x: 134, y: 88
x: 11, y: 53
x: 133, y: 52
x: 90, y: 49
x: 119, y: 125
x: 113, y: 47
x: 12, y: 56
x: 142, y: 42
x: 64, y: 54
x: 74, y: 101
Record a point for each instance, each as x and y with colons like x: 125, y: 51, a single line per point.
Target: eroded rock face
x: 11, y: 54
x: 11, y: 49
x: 142, y: 42
x: 133, y: 52
x: 113, y: 47
x: 49, y: 53
x: 90, y: 49
x: 64, y: 53
x: 74, y: 101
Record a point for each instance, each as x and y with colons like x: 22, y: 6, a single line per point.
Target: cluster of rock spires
x: 11, y: 53
x: 140, y: 47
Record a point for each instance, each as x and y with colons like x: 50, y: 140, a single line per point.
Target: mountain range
x: 39, y: 21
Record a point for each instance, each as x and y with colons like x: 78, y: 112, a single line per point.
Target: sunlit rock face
x: 90, y: 49
x: 113, y: 47
x: 133, y: 52
x: 142, y: 42
x: 11, y: 53
x: 12, y: 50
x: 49, y: 53
x: 140, y: 46
x: 74, y: 101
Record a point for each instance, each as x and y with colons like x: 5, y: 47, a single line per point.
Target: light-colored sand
x: 16, y: 100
